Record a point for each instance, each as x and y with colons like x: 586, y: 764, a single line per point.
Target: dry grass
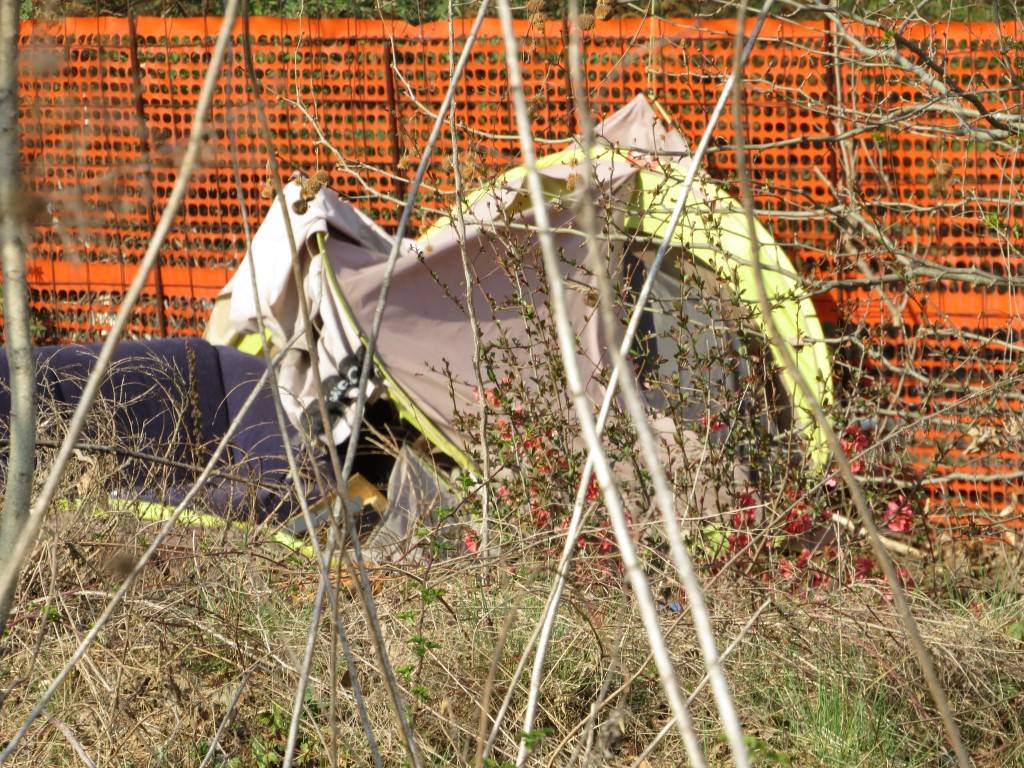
x: 220, y: 613
x: 827, y: 681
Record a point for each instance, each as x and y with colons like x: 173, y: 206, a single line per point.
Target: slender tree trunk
x: 21, y: 458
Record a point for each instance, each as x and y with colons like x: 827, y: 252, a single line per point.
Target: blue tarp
x: 174, y: 398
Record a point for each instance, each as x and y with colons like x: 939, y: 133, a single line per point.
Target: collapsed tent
x: 425, y: 350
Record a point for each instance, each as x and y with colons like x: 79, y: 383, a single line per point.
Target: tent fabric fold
x: 276, y: 299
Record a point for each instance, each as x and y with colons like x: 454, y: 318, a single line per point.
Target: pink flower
x: 490, y: 395
x: 471, y: 541
x: 713, y: 423
x: 899, y: 516
x: 904, y: 576
x: 854, y: 441
x: 797, y: 522
x: 746, y: 515
x: 593, y: 490
x: 804, y: 558
x: 738, y: 541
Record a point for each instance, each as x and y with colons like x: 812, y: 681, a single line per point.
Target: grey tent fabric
x: 637, y: 127
x: 426, y: 341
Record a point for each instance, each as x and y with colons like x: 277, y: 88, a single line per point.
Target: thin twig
x: 642, y: 757
x: 69, y: 736
x: 226, y: 719
x: 492, y: 674
x: 576, y: 518
x: 602, y: 467
x: 678, y: 551
x: 474, y: 323
x: 16, y: 313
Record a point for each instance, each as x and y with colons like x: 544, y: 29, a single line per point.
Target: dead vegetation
x: 200, y: 661
x: 212, y: 636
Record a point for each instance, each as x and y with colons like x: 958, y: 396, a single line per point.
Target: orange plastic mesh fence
x: 89, y: 140
x: 832, y: 126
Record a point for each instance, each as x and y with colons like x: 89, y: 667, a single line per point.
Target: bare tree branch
x: 21, y: 457
x: 566, y: 341
x: 836, y: 448
x: 619, y: 365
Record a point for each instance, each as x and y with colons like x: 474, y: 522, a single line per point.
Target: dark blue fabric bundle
x: 174, y: 398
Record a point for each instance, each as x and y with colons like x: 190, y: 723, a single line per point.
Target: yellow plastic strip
x: 717, y: 233
x: 153, y: 511
x: 252, y: 343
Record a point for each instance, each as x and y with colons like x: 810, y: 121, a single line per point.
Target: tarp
x: 277, y: 301
x: 172, y: 399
